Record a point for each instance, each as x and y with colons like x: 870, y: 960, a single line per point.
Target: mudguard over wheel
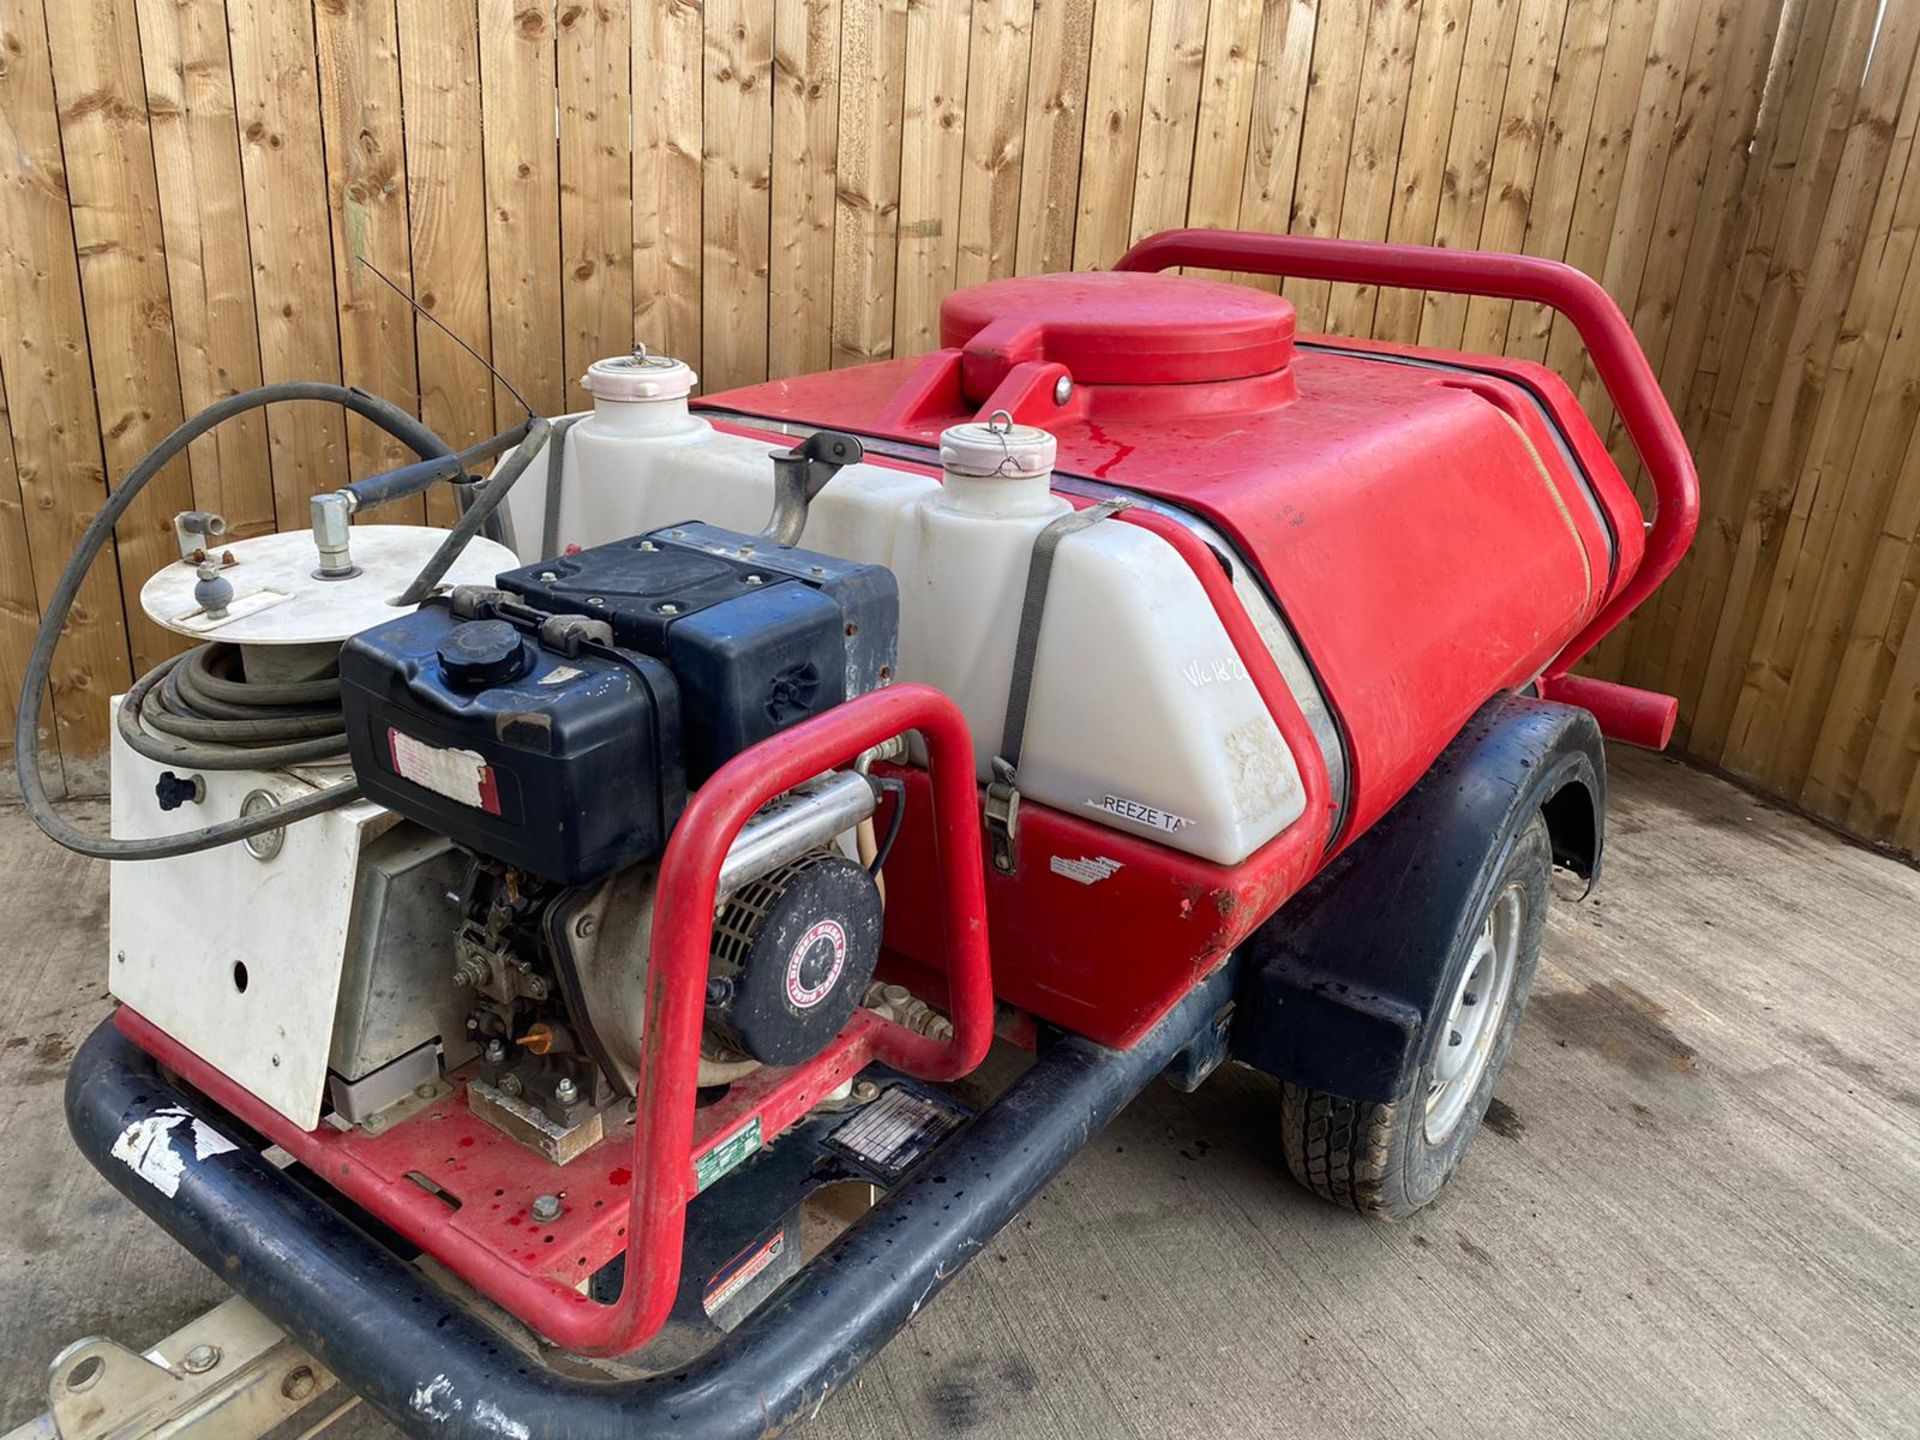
x: 1389, y: 1158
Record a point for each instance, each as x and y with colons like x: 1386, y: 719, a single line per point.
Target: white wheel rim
x: 1472, y: 1020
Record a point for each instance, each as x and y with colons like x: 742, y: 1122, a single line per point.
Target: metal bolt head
x: 669, y: 608
x: 566, y: 1092
x: 299, y: 1383
x: 374, y: 1123
x: 1062, y: 390
x: 510, y: 1083
x: 865, y: 1091
x: 648, y: 545
x: 546, y: 1208
x: 425, y: 1092
x: 756, y: 579
x: 496, y: 1051
x: 547, y: 577
x: 200, y: 1359
x: 1453, y: 1038
x: 585, y: 926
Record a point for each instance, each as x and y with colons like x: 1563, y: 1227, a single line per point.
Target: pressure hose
x: 195, y: 710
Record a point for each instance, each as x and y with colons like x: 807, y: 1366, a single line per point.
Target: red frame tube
x: 1622, y: 366
x: 663, y: 1178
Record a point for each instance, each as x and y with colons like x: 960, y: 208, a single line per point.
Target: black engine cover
x: 793, y: 954
x: 760, y: 636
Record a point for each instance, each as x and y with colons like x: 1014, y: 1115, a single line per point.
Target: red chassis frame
x: 525, y: 1267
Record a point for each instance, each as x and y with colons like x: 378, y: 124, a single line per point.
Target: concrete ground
x: 1695, y: 1209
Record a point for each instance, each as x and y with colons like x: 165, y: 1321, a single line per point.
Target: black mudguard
x: 1338, y: 987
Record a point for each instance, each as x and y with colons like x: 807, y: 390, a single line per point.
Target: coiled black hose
x: 206, y: 718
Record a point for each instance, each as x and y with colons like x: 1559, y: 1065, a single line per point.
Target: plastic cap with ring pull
x: 481, y: 653
x: 639, y: 376
x: 997, y: 447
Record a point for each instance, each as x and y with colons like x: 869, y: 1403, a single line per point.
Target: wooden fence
x: 188, y: 187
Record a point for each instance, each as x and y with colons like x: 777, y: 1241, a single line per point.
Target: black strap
x: 1003, y: 798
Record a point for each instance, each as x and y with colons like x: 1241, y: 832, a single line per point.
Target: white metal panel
x: 180, y: 929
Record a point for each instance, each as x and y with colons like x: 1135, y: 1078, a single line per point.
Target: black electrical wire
x: 887, y: 785
x: 206, y: 718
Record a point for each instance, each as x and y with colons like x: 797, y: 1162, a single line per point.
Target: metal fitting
x: 546, y: 1208
x: 332, y: 513
x: 299, y: 1384
x: 200, y: 1359
x: 1062, y: 390
x: 566, y: 1092
x: 496, y: 1051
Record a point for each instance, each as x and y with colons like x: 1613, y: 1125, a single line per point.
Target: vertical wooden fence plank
x: 446, y: 214
x: 806, y: 126
x: 1492, y: 28
x: 45, y: 369
x: 933, y: 137
x: 596, y: 179
x: 739, y: 158
x: 1110, y: 157
x: 521, y: 159
x: 1433, y: 95
x: 1564, y: 153
x: 1169, y: 111
x: 998, y: 57
x: 1516, y: 157
x: 873, y: 47
x: 196, y: 159
x: 1339, y: 50
x: 1279, y: 117
x: 19, y: 620
x: 284, y: 169
x: 1056, y: 119
x: 367, y: 200
x: 669, y: 90
x: 1224, y: 130
x: 101, y: 95
x: 1366, y: 201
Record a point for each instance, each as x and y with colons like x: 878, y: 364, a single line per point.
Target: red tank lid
x: 1117, y: 329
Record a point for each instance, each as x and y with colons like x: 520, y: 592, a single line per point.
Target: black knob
x: 479, y: 653
x: 173, y: 791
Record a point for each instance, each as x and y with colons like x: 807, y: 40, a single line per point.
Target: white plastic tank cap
x: 997, y: 448
x: 639, y: 376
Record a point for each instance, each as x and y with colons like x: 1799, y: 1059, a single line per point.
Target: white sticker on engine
x: 1088, y: 869
x: 461, y: 775
x: 1141, y: 814
x: 560, y: 674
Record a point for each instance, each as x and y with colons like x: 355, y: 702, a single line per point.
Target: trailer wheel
x: 1389, y: 1159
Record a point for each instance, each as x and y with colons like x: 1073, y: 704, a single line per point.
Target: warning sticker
x: 1141, y: 814
x: 889, y: 1135
x: 727, y: 1155
x: 461, y: 775
x: 737, y: 1274
x: 1088, y: 869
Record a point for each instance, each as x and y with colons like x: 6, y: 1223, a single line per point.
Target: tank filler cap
x: 480, y: 653
x: 639, y: 376
x: 997, y: 448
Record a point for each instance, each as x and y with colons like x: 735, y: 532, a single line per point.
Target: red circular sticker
x: 805, y: 996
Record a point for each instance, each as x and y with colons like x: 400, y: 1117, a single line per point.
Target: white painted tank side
x: 1142, y: 717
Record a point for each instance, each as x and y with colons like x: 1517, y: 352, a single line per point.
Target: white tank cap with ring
x: 639, y: 376
x: 997, y: 448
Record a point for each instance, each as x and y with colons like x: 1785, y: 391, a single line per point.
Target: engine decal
x: 727, y: 1155
x: 742, y: 1271
x: 462, y: 775
x: 802, y: 992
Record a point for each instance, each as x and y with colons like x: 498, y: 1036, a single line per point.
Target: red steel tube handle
x: 1622, y: 365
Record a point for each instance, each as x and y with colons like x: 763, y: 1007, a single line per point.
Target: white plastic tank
x: 1142, y: 716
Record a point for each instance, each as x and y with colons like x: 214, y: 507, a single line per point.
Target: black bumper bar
x: 433, y: 1368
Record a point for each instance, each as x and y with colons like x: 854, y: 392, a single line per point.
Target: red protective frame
x: 665, y: 1145
x: 1617, y: 357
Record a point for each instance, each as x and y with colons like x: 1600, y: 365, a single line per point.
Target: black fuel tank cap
x: 483, y: 652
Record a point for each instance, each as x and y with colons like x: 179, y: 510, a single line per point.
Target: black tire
x: 1377, y: 1158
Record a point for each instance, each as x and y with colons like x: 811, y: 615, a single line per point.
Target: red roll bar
x: 1622, y: 365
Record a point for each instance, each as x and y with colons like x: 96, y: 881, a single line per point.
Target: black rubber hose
x: 26, y: 752
x: 490, y: 493
x: 411, y: 479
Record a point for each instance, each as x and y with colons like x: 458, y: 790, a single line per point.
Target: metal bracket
x: 801, y: 473
x: 229, y: 1375
x: 1002, y: 816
